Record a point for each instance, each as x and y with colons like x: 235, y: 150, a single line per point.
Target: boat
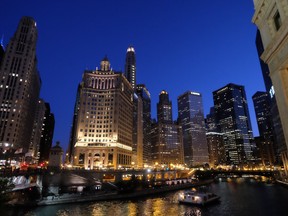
x: 197, y: 197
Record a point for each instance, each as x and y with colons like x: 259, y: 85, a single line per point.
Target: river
x: 239, y: 197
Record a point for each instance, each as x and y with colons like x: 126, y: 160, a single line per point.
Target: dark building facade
x: 191, y: 118
x: 265, y: 126
x: 233, y: 120
x: 144, y: 94
x: 279, y: 141
x: 47, y: 134
x: 20, y: 87
x: 130, y: 66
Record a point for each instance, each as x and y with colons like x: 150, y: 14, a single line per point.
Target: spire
x: 105, y: 64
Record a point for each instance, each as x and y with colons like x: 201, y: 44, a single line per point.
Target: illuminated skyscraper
x: 104, y: 120
x: 166, y: 136
x: 191, y: 118
x: 130, y: 66
x: 19, y: 88
x: 232, y: 116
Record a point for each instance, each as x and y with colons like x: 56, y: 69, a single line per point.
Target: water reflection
x: 238, y: 197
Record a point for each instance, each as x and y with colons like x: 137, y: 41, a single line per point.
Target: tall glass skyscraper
x: 130, y: 66
x: 20, y: 87
x: 232, y: 116
x: 191, y: 118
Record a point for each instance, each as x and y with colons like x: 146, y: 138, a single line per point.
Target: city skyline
x: 209, y: 54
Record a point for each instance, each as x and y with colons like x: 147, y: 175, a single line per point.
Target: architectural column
x: 280, y: 83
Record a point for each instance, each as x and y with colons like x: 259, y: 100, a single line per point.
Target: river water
x: 239, y: 197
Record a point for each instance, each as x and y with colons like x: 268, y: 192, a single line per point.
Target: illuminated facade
x: 271, y: 18
x: 233, y: 120
x: 166, y: 136
x: 19, y: 88
x: 216, y: 148
x: 104, y: 120
x: 191, y: 118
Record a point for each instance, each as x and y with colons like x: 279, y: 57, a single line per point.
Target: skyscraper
x: 47, y: 134
x: 20, y: 87
x: 265, y: 126
x: 130, y: 66
x: 164, y: 108
x: 166, y: 136
x: 104, y: 120
x: 143, y: 92
x: 233, y: 120
x: 191, y: 118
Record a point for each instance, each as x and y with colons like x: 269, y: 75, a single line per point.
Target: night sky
x: 180, y: 45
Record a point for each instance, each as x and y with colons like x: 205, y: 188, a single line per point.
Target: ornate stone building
x: 103, y: 124
x: 271, y: 18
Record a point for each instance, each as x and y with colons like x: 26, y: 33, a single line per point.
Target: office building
x: 191, y: 118
x: 104, y: 120
x: 233, y: 120
x: 166, y: 136
x: 20, y: 87
x: 265, y: 126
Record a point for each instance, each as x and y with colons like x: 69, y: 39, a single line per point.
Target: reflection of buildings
x: 20, y: 87
x: 265, y: 142
x: 191, y: 118
x: 271, y: 19
x: 103, y: 123
x: 232, y: 116
x: 166, y: 136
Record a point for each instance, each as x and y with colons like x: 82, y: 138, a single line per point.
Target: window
x: 277, y: 21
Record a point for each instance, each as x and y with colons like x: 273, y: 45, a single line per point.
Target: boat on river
x: 197, y: 197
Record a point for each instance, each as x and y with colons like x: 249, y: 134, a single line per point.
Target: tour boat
x: 197, y: 197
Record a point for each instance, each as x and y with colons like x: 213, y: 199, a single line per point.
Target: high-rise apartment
x: 233, y: 120
x: 19, y: 88
x: 191, y: 118
x: 104, y: 120
x: 130, y: 66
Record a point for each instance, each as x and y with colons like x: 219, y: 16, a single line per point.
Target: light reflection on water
x: 238, y: 197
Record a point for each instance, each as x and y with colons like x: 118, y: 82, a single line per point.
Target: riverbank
x: 76, y: 198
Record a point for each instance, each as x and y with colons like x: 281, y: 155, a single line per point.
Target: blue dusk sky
x: 180, y: 45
